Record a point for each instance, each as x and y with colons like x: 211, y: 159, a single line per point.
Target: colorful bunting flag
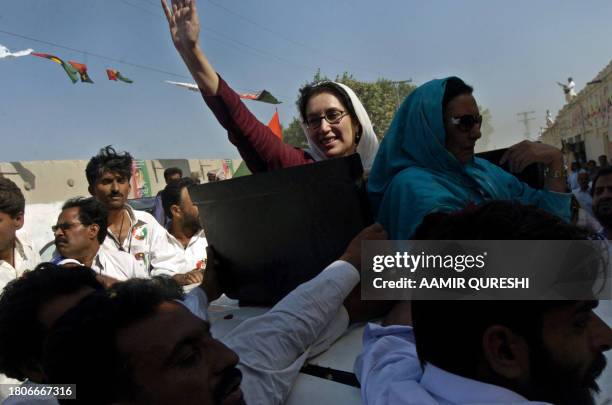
x: 188, y: 86
x: 115, y: 75
x: 82, y: 69
x: 68, y: 68
x: 6, y: 53
x: 275, y: 126
x: 264, y: 96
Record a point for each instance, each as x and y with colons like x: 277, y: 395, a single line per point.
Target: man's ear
x: 175, y: 210
x: 94, y: 229
x: 18, y: 220
x: 91, y: 190
x: 506, y: 353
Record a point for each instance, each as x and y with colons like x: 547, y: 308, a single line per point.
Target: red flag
x: 275, y: 126
x: 82, y: 69
x: 116, y: 75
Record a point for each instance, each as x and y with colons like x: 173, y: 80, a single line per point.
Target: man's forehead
x: 156, y: 335
x: 111, y: 174
x: 69, y: 214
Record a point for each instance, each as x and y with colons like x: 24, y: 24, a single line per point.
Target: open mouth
x: 229, y: 391
x: 329, y: 141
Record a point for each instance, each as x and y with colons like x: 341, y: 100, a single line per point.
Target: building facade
x: 583, y: 127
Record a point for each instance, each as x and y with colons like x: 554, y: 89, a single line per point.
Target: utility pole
x: 396, y: 84
x: 525, y: 121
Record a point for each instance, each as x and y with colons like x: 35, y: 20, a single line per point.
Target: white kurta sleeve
x: 273, y: 347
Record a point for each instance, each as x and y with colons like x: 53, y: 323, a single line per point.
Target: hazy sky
x: 511, y: 52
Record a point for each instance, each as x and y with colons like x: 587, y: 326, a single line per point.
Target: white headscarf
x: 368, y: 144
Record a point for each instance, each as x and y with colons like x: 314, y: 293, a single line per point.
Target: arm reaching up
x: 184, y: 26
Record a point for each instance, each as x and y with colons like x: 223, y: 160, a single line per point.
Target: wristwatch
x: 554, y: 174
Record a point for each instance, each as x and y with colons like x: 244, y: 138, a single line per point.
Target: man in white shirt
x: 172, y: 357
x: 79, y: 234
x: 186, y: 233
x: 16, y: 254
x: 487, y: 352
x: 583, y: 191
x: 135, y: 232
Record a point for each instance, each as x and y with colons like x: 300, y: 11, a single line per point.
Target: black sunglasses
x: 467, y: 122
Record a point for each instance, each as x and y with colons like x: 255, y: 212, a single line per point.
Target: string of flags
x: 264, y: 96
x: 78, y: 71
x: 74, y: 70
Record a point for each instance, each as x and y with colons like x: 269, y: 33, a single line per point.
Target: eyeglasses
x: 64, y: 226
x: 331, y: 116
x: 466, y: 122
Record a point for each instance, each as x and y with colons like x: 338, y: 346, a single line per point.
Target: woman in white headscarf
x: 334, y: 120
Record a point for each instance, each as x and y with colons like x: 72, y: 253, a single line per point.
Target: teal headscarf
x: 413, y: 173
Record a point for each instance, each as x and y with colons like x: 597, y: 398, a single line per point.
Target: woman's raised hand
x: 184, y: 24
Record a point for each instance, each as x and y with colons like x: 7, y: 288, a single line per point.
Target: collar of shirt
x: 197, y: 236
x: 97, y: 264
x: 134, y: 223
x: 20, y: 257
x: 460, y: 390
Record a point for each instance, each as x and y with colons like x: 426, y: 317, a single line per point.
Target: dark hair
x: 108, y: 160
x: 454, y: 87
x: 91, y: 211
x: 171, y: 195
x: 313, y: 89
x: 604, y: 171
x: 21, y: 333
x: 82, y: 347
x: 449, y: 333
x: 172, y: 171
x: 11, y: 198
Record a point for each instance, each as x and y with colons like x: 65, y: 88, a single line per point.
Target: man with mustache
x: 186, y: 233
x: 487, y: 352
x: 602, y: 200
x: 134, y: 346
x: 79, y: 234
x: 135, y: 232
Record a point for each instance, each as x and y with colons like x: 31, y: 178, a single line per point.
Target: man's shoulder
x: 145, y: 217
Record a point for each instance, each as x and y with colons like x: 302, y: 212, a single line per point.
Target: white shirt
x: 571, y: 86
x: 25, y: 258
x: 390, y: 373
x: 148, y: 242
x: 584, y: 198
x: 113, y: 263
x: 572, y: 180
x: 193, y: 256
x: 274, y: 346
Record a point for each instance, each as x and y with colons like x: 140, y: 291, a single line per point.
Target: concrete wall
x: 47, y: 184
x: 49, y: 181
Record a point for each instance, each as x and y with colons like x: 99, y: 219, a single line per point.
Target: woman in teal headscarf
x: 426, y: 162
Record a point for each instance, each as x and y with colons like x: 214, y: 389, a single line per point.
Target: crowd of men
x: 109, y: 313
